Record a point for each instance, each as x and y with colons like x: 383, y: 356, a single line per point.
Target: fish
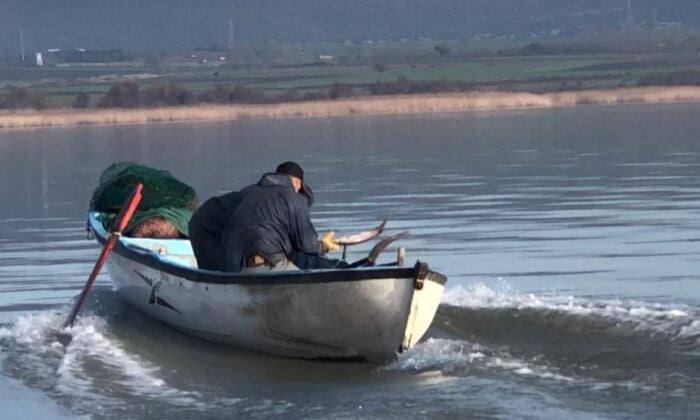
x: 361, y: 237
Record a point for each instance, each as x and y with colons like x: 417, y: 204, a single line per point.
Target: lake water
x: 570, y: 237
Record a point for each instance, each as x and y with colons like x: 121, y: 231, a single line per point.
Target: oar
x: 118, y: 226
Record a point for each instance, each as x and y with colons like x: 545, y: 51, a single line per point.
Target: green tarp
x: 163, y: 195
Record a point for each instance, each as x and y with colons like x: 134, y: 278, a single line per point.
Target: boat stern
x: 428, y: 287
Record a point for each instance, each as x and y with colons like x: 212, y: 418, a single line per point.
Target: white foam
x: 452, y: 356
x: 94, y: 371
x: 91, y: 342
x: 30, y: 329
x: 34, y: 340
x: 439, y: 354
x: 691, y: 330
x: 521, y: 367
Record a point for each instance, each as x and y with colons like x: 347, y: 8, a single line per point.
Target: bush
x: 534, y: 48
x: 442, y: 49
x: 24, y: 97
x: 121, y: 95
x: 337, y: 91
x: 167, y: 94
x: 289, y: 95
x: 81, y: 101
x: 236, y: 94
x: 683, y: 77
x: 404, y: 86
x: 313, y: 95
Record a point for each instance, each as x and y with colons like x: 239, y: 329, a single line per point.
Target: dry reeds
x: 400, y: 104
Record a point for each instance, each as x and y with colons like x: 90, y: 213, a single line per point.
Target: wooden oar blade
x: 93, y: 276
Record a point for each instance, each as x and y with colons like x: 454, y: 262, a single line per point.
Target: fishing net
x: 164, y: 197
x: 161, y: 189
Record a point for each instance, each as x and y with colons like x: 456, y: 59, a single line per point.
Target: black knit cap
x: 291, y: 168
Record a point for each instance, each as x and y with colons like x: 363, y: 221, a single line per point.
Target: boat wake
x: 114, y: 359
x: 585, y: 342
x: 90, y: 366
x: 84, y: 365
x: 675, y: 323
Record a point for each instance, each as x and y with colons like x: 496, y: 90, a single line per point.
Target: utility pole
x: 230, y: 34
x: 231, y: 15
x: 630, y: 21
x: 21, y: 44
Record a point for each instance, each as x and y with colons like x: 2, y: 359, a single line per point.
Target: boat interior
x: 174, y: 251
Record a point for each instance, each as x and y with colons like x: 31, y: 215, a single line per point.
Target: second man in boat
x: 263, y: 227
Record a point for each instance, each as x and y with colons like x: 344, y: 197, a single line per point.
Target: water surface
x: 569, y: 237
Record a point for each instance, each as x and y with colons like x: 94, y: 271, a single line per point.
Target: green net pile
x: 163, y: 195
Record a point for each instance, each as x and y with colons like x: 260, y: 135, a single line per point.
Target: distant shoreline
x: 370, y: 105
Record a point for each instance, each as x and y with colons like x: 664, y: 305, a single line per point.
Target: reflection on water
x: 569, y: 238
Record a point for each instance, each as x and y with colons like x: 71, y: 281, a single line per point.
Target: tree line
x: 130, y: 94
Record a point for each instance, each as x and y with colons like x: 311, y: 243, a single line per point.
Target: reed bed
x: 400, y: 104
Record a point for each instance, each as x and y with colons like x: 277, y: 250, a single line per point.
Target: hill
x: 157, y: 25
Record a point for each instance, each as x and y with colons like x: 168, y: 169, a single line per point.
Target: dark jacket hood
x: 274, y: 179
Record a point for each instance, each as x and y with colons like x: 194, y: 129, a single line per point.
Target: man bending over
x: 264, y: 227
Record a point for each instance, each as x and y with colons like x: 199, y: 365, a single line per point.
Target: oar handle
x: 118, y: 226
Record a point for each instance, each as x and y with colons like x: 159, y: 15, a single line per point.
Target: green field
x: 278, y: 68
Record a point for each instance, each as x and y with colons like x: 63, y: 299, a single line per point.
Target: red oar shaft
x: 118, y: 226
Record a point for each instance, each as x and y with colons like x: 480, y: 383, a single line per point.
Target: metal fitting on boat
x: 421, y: 274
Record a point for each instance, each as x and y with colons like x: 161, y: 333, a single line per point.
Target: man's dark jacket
x: 269, y: 219
x: 207, y: 226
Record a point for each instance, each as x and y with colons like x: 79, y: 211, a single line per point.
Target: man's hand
x: 327, y: 243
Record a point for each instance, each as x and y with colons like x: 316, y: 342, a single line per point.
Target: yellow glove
x: 327, y: 243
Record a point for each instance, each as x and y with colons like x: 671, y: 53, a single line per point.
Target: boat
x: 364, y: 313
